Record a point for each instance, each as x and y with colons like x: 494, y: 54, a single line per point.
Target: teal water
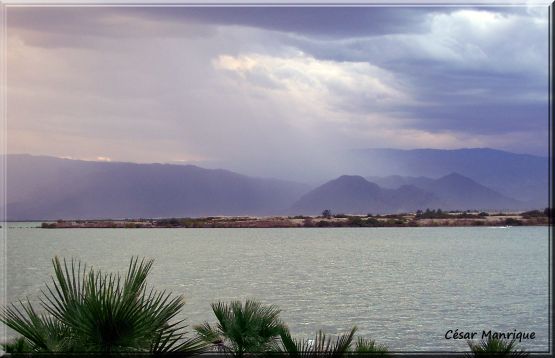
x: 404, y: 287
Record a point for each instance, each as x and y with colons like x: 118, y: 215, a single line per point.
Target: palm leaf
x: 17, y: 345
x: 321, y: 346
x: 369, y: 348
x: 89, y: 311
x: 242, y: 328
x: 493, y: 347
x: 42, y: 333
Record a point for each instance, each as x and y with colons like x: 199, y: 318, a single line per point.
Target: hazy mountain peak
x: 352, y: 194
x: 353, y: 182
x: 523, y: 176
x: 41, y: 187
x: 350, y: 179
x: 53, y: 188
x: 454, y: 176
x: 475, y: 150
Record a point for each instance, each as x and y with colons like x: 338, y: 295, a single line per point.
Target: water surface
x: 404, y: 287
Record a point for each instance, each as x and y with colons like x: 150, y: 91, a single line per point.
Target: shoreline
x: 418, y: 219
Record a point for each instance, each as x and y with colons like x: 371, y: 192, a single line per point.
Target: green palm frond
x: 17, y: 345
x: 42, y: 333
x: 289, y: 345
x: 242, y: 328
x: 89, y: 311
x: 208, y: 333
x: 493, y: 347
x: 369, y: 348
x: 320, y: 346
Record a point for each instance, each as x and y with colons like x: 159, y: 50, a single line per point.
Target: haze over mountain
x: 356, y: 195
x: 460, y: 192
x: 288, y: 92
x: 396, y: 181
x: 520, y: 176
x: 53, y: 188
x: 456, y: 191
x: 352, y: 194
x: 41, y: 187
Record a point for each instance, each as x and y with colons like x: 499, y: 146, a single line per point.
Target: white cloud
x: 329, y: 86
x: 484, y: 40
x: 246, y: 98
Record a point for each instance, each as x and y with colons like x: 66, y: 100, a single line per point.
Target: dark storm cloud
x: 469, y: 81
x: 482, y: 118
x: 331, y: 21
x: 476, y: 101
x: 84, y: 26
x: 64, y: 20
x: 304, y: 20
x: 212, y: 83
x: 312, y: 21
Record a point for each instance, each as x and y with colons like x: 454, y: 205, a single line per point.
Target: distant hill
x: 520, y: 176
x: 356, y: 195
x: 396, y: 181
x: 52, y: 188
x: 352, y: 194
x: 456, y: 192
x: 460, y: 192
x: 48, y: 188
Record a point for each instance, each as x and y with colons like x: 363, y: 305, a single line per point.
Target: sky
x: 274, y: 91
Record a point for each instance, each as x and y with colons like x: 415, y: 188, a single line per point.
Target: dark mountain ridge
x: 352, y: 194
x: 53, y: 188
x: 356, y: 195
x: 48, y: 188
x: 520, y: 176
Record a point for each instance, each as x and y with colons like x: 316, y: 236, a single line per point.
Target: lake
x: 403, y: 287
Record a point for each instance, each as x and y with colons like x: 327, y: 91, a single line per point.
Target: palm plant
x: 321, y: 346
x: 243, y: 329
x: 493, y: 347
x: 369, y: 348
x: 88, y: 311
x: 17, y: 345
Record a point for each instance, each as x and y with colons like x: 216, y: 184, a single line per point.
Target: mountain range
x: 353, y: 194
x: 520, y: 176
x: 49, y: 188
x: 53, y: 188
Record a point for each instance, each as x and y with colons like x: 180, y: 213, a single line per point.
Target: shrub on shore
x: 512, y: 222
